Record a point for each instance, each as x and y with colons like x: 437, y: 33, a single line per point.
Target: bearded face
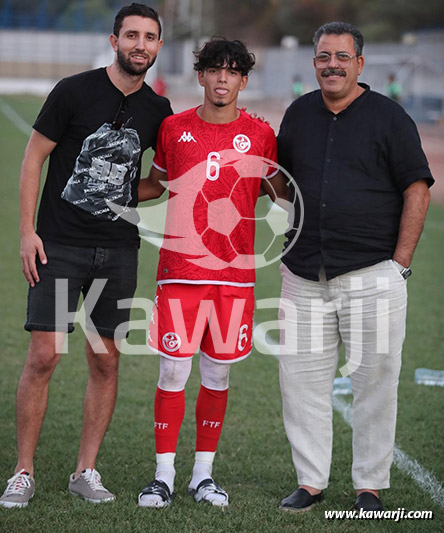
x: 135, y: 63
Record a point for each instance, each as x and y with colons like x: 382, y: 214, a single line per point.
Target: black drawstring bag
x: 104, y: 170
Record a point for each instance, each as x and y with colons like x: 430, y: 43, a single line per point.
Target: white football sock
x: 165, y: 469
x: 202, y: 469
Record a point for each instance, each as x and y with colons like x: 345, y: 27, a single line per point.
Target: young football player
x: 215, y: 160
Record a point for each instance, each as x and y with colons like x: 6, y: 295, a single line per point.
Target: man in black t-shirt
x: 94, y: 127
x: 357, y: 160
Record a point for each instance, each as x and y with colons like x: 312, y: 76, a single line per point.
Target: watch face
x: 406, y: 272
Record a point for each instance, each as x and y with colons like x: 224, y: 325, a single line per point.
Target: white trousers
x: 365, y: 310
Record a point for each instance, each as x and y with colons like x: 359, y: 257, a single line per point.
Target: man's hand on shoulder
x: 255, y: 116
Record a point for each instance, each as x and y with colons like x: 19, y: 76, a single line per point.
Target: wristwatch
x: 405, y: 272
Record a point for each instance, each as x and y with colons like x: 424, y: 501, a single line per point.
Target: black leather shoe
x: 368, y: 502
x: 301, y: 500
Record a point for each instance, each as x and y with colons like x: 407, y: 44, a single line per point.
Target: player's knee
x: 215, y: 376
x: 173, y: 375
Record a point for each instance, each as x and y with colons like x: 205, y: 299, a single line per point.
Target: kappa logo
x: 187, y: 137
x: 241, y: 143
x: 171, y: 342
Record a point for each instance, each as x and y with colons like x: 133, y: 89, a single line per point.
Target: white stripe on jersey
x: 205, y: 282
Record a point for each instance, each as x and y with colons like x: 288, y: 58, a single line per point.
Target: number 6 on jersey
x: 213, y: 167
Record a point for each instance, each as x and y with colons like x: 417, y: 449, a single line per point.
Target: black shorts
x: 108, y: 275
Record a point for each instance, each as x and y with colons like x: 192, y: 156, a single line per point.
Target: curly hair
x: 219, y: 52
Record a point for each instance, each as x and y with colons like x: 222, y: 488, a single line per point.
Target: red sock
x: 169, y: 410
x: 210, y: 412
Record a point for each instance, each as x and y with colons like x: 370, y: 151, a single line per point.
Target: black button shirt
x: 351, y: 169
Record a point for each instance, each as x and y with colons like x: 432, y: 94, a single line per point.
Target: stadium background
x: 42, y: 41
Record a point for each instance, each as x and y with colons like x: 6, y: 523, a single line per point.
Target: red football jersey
x: 214, y: 173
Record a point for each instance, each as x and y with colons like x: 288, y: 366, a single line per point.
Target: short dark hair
x: 139, y: 10
x: 219, y: 52
x: 340, y: 28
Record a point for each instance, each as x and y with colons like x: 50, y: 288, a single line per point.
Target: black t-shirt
x: 351, y: 169
x: 95, y: 159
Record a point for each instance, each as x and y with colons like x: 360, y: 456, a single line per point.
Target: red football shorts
x: 218, y: 318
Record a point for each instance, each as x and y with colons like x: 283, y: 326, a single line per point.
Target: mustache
x: 332, y: 72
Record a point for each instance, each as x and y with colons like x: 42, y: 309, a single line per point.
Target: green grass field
x: 253, y: 462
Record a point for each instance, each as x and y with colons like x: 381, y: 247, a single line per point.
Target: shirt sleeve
x: 56, y: 113
x: 159, y: 160
x: 270, y: 152
x: 406, y: 157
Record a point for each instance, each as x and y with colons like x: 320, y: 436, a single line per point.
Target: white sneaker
x: 89, y: 487
x: 19, y: 491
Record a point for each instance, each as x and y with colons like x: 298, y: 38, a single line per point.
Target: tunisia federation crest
x: 171, y: 342
x: 241, y: 143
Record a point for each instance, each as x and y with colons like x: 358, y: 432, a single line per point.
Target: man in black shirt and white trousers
x: 94, y: 127
x: 357, y: 159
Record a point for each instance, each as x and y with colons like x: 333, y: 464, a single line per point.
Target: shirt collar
x: 356, y: 102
